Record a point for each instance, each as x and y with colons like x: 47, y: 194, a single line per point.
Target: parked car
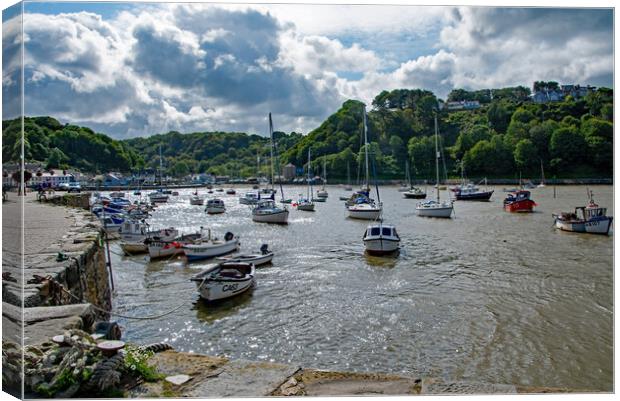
x: 74, y: 187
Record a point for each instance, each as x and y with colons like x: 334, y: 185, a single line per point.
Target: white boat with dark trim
x: 136, y: 231
x: 249, y: 198
x: 224, y: 280
x: 365, y: 211
x: 266, y: 211
x: 162, y: 249
x: 380, y: 239
x: 590, y: 219
x: 215, y: 206
x: 196, y: 200
x: 134, y: 247
x: 435, y: 208
x: 256, y: 259
x: 211, y: 247
x: 305, y: 203
x: 158, y: 197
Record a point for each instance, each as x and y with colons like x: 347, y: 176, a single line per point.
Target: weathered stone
x: 436, y: 386
x: 177, y: 380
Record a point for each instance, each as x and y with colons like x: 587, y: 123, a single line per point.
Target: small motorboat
x: 286, y: 201
x: 414, y: 193
x: 256, y: 259
x: 224, y: 280
x: 266, y: 211
x: 322, y: 194
x: 211, y: 247
x: 219, y: 190
x: 112, y: 223
x: 319, y: 199
x: 471, y: 192
x: 161, y: 249
x: 134, y: 231
x: 380, y: 239
x: 175, y: 193
x: 215, y: 206
x: 158, y: 197
x: 134, y: 247
x: 137, y: 192
x: 519, y: 202
x: 230, y: 191
x: 167, y: 191
x: 249, y: 198
x: 344, y: 198
x: 196, y: 200
x: 590, y: 219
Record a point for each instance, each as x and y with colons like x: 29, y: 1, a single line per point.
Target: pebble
x: 178, y: 379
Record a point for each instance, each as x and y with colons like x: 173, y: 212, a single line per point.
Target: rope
x: 152, y: 317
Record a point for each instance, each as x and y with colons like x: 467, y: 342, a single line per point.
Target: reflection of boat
x: 590, y: 219
x: 380, y: 239
x: 215, y: 311
x: 211, y: 247
x: 215, y: 206
x: 435, y: 208
x: 519, y: 202
x: 224, y: 280
x: 256, y: 259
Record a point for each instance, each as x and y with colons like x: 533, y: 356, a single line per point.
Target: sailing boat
x: 404, y: 187
x: 306, y: 203
x: 348, y: 187
x: 412, y: 192
x: 361, y: 206
x: 266, y: 211
x: 323, y: 193
x: 542, y: 176
x: 435, y: 208
x: 159, y: 196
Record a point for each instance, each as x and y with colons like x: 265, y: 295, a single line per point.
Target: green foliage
x: 136, y: 363
x: 567, y: 147
x: 526, y: 155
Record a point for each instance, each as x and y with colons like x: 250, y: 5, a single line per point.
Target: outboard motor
x: 228, y: 236
x: 264, y: 249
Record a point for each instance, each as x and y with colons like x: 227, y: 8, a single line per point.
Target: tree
x: 499, y: 116
x: 180, y: 169
x: 526, y: 155
x: 567, y: 145
x: 55, y: 159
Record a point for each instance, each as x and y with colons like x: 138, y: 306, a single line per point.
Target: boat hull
x: 380, y: 246
x: 441, y: 212
x: 164, y: 249
x: 524, y: 206
x: 478, y: 196
x: 256, y: 260
x: 599, y: 226
x: 365, y: 213
x: 197, y: 202
x: 132, y: 248
x: 273, y: 218
x: 210, y: 250
x: 414, y: 196
x: 306, y: 207
x: 215, y: 210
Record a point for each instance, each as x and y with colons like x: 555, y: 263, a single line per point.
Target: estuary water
x: 485, y: 296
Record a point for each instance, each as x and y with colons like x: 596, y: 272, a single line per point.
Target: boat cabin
x: 518, y: 196
x: 381, y: 231
x: 266, y: 204
x: 215, y: 203
x: 590, y: 213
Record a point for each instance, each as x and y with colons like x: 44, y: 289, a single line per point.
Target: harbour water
x: 486, y: 296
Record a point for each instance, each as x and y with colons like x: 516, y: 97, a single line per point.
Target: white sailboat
x: 435, y: 208
x: 266, y: 211
x: 542, y: 176
x: 306, y: 203
x: 365, y: 208
x: 323, y: 192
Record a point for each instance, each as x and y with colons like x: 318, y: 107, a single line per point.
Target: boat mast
x: 310, y: 195
x: 436, y: 158
x: 324, y: 174
x: 366, y: 150
x: 348, y: 174
x: 542, y: 172
x: 160, y: 167
x: 271, y: 150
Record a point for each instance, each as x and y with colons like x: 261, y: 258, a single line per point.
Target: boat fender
x: 109, y: 330
x: 228, y: 236
x: 264, y: 249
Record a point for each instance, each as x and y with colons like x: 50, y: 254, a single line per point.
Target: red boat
x: 519, y: 202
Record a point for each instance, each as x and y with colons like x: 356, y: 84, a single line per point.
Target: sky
x: 137, y: 69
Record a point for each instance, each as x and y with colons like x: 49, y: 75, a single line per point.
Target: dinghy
x: 224, y: 280
x: 211, y: 247
x: 256, y: 259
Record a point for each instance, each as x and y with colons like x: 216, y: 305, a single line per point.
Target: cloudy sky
x: 135, y: 69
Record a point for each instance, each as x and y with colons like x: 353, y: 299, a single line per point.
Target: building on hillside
x: 577, y: 91
x: 463, y: 105
x: 113, y: 180
x: 289, y: 171
x: 547, y: 95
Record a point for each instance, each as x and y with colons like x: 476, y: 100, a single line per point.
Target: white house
x: 54, y: 178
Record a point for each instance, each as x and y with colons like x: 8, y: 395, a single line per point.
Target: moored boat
x: 249, y: 198
x: 161, y: 249
x: 414, y: 193
x: 209, y: 247
x: 230, y: 191
x: 256, y: 259
x: 590, y: 219
x: 133, y: 247
x: 471, y: 192
x: 196, y: 200
x: 224, y: 280
x: 266, y: 211
x: 380, y: 239
x: 519, y: 202
x: 215, y: 206
x: 132, y: 231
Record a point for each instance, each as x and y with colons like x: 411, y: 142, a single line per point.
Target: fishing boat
x: 363, y: 207
x: 306, y: 203
x: 519, y: 202
x: 322, y: 193
x: 158, y: 197
x: 224, y: 280
x: 435, y: 208
x: 380, y: 239
x: 230, y: 191
x: 196, y: 200
x: 265, y: 256
x: 591, y: 219
x: 215, y: 206
x: 266, y: 211
x: 134, y: 230
x: 210, y: 247
x: 161, y: 249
